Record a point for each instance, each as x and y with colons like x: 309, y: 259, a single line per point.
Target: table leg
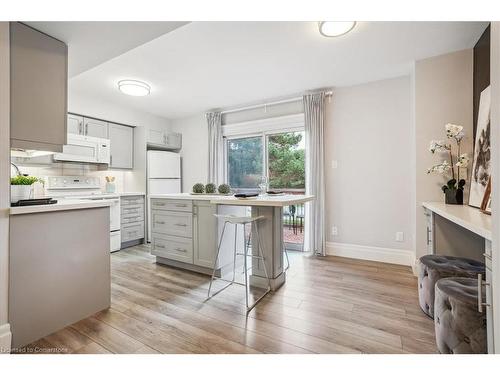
x: 271, y: 236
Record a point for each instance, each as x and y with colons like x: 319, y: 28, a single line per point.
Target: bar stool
x: 240, y: 220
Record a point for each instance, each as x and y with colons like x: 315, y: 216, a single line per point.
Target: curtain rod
x: 290, y: 100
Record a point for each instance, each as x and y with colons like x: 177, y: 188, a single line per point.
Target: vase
x: 454, y: 196
x: 110, y: 187
x: 19, y: 192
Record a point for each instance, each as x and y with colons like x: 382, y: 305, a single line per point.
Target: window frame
x: 261, y: 128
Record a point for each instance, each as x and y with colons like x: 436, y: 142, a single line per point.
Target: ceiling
x: 206, y: 65
x: 92, y: 43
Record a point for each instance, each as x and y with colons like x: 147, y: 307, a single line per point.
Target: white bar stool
x: 240, y: 220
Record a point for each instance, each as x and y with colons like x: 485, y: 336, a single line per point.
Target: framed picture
x: 481, y: 166
x: 486, y: 203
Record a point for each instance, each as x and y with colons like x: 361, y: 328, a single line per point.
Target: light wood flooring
x: 328, y: 305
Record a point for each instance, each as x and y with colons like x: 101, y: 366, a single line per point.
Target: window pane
x: 287, y: 161
x: 244, y: 157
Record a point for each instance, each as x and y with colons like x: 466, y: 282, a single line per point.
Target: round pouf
x: 460, y: 328
x: 435, y: 267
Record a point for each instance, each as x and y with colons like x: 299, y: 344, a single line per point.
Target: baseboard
x: 376, y: 254
x: 5, y: 338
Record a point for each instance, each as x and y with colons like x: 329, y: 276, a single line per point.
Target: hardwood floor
x: 328, y: 305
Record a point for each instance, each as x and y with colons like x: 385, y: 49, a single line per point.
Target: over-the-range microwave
x: 85, y: 149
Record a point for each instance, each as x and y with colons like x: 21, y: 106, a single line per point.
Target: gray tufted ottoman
x: 460, y: 328
x: 435, y: 267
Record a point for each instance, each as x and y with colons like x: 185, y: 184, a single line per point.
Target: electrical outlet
x: 335, y: 164
x: 335, y: 232
x: 400, y: 236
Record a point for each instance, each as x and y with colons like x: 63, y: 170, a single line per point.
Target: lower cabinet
x: 132, y: 220
x: 184, y: 236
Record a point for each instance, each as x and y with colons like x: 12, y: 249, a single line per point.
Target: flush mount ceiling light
x: 335, y: 28
x: 134, y: 88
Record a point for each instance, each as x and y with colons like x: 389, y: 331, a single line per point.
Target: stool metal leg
x: 235, y: 251
x: 286, y: 255
x: 245, y: 255
x: 216, y: 259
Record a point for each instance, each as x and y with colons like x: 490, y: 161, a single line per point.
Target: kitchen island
x: 59, y: 266
x: 185, y: 231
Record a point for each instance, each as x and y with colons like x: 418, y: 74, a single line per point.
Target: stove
x: 87, y: 188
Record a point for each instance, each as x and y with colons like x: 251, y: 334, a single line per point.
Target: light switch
x: 400, y: 236
x: 335, y: 232
x: 335, y: 164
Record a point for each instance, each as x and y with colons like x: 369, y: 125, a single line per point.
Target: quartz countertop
x: 261, y: 200
x: 61, y: 205
x: 466, y: 216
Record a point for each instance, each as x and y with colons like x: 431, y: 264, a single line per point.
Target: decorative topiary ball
x: 198, y: 188
x: 210, y: 188
x: 224, y: 189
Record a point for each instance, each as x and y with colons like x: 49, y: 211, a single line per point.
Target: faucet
x: 17, y: 169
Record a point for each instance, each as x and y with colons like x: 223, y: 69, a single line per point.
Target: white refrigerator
x: 163, y: 176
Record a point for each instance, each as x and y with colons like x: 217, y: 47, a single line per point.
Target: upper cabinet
x: 95, y: 128
x: 121, y: 139
x: 38, y: 87
x: 161, y: 139
x: 75, y: 124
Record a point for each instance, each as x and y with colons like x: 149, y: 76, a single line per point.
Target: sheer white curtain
x: 215, y: 148
x: 314, y: 121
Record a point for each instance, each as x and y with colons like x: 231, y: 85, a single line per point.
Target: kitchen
x: 157, y: 208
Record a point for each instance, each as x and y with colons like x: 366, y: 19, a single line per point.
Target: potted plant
x: 454, y: 188
x: 21, y: 187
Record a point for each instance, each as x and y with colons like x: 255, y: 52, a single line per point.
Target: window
x: 280, y: 157
x: 244, y: 162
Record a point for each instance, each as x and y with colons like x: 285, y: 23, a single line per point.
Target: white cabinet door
x: 122, y: 146
x: 204, y: 233
x: 156, y: 136
x: 95, y: 128
x: 75, y: 124
x: 174, y: 140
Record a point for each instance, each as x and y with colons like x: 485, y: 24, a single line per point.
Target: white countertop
x: 264, y: 200
x: 61, y: 205
x: 466, y: 216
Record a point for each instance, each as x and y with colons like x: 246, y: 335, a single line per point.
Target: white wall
x: 194, y: 151
x: 5, y: 334
x: 368, y: 196
x: 443, y: 94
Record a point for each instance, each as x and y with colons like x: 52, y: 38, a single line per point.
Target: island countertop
x: 261, y: 200
x: 61, y: 205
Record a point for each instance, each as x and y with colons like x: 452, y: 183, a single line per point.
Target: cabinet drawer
x: 137, y: 209
x: 132, y: 200
x: 132, y: 232
x: 172, y: 223
x: 132, y: 219
x: 175, y: 248
x: 172, y: 205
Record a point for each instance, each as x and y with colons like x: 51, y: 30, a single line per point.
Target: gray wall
x: 368, y: 133
x: 4, y: 184
x: 443, y: 94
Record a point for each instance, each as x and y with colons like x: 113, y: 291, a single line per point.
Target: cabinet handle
x: 428, y: 236
x: 160, y: 246
x: 159, y: 204
x: 487, y: 256
x: 480, y: 303
x: 86, y: 129
x: 80, y: 130
x: 180, y: 205
x: 181, y: 225
x: 159, y: 222
x: 180, y: 250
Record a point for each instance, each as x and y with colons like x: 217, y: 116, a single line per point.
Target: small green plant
x: 25, y: 180
x: 210, y: 188
x: 198, y: 188
x: 224, y: 189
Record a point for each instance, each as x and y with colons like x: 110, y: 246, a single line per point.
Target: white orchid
x: 452, y: 130
x: 440, y: 168
x: 463, y: 161
x: 439, y: 146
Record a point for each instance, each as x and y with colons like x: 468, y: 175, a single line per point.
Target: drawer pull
x: 180, y: 250
x: 487, y: 256
x: 480, y: 302
x: 160, y: 246
x: 159, y: 204
x: 180, y: 225
x: 159, y: 222
x: 181, y: 205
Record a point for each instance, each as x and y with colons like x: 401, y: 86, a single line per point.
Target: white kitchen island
x: 185, y: 231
